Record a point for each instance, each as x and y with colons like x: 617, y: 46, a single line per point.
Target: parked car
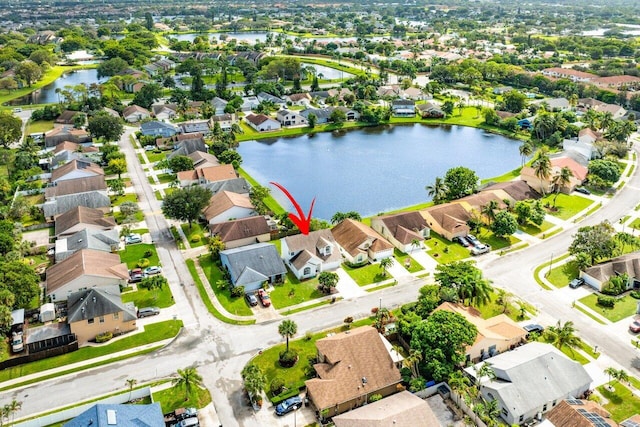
x: 184, y: 413
x: 480, y: 249
x: 135, y: 278
x: 286, y: 406
x: 132, y: 238
x: 149, y: 147
x: 17, y: 344
x: 576, y: 283
x: 148, y: 311
x: 251, y: 299
x: 534, y: 327
x: 154, y: 269
x: 264, y: 298
x: 188, y: 422
x: 635, y: 326
x: 462, y: 241
x: 583, y: 190
x: 472, y: 239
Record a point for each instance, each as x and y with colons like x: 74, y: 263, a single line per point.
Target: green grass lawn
x: 269, y: 201
x: 492, y: 309
x: 487, y: 237
x: 196, y: 230
x: 146, y: 298
x: 38, y: 127
x: 293, y: 291
x: 120, y: 218
x: 403, y: 259
x: 567, y: 205
x: 636, y: 223
x: 173, y: 398
x: 561, y: 275
x: 155, y: 156
x: 366, y: 275
x: 622, y: 402
x: 625, y: 307
x: 533, y: 230
x: 118, y: 200
x: 509, y: 176
x: 133, y: 253
x: 445, y: 251
x: 166, y: 178
x: 236, y: 306
x: 152, y: 333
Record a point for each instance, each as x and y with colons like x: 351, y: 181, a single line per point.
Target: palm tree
x: 415, y: 243
x: 385, y: 263
x: 412, y: 362
x: 621, y: 376
x: 561, y: 179
x: 14, y: 407
x: 489, y: 210
x: 526, y: 150
x: 492, y: 412
x: 484, y: 371
x: 254, y: 380
x: 288, y: 329
x: 437, y: 191
x: 611, y: 372
x: 187, y: 379
x: 606, y: 120
x: 131, y: 382
x: 563, y: 335
x: 542, y: 168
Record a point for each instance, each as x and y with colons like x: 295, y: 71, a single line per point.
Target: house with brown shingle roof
x: 81, y: 217
x: 65, y: 133
x: 135, y: 113
x: 262, y: 123
x: 402, y: 230
x: 225, y: 206
x: 206, y: 175
x: 578, y: 413
x: 242, y: 232
x: 352, y: 366
x: 66, y: 117
x: 448, y: 220
x: 516, y: 190
x: 358, y: 243
x: 203, y: 160
x: 85, y: 269
x: 308, y: 255
x: 76, y: 169
x: 598, y: 275
x: 495, y: 335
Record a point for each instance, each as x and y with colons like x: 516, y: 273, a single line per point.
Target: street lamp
x: 550, y: 265
x: 380, y: 306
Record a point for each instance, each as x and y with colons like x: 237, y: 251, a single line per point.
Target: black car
x: 533, y: 328
x: 251, y: 299
x: 576, y: 283
x: 583, y: 190
x: 286, y: 406
x: 462, y: 241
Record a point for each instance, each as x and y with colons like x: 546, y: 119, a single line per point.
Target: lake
x: 328, y: 73
x: 373, y: 170
x: 47, y: 94
x: 252, y: 36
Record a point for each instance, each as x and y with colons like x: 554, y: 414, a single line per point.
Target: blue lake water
x: 47, y: 94
x: 252, y: 36
x: 373, y: 170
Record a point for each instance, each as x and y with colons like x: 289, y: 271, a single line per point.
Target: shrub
x: 616, y: 285
x: 635, y: 294
x: 288, y: 358
x: 308, y: 336
x: 276, y: 386
x: 104, y: 337
x: 605, y: 301
x: 195, y: 238
x: 375, y: 398
x: 148, y: 254
x: 237, y: 291
x: 143, y: 262
x: 416, y: 384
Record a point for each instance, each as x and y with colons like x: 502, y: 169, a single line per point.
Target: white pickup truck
x: 17, y: 344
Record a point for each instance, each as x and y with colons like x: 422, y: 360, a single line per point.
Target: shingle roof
x: 237, y: 185
x: 202, y: 159
x: 100, y: 240
x: 90, y: 199
x: 254, y: 263
x: 225, y: 200
x: 240, y: 228
x: 83, y: 215
x: 351, y: 234
x: 76, y: 164
x: 451, y: 216
x: 257, y: 119
x: 126, y: 416
x: 95, y: 302
x: 310, y: 243
x: 76, y: 186
x: 405, y: 226
x: 579, y: 171
x: 134, y: 109
x: 629, y: 264
x: 518, y: 190
x: 86, y: 262
x: 348, y: 359
x: 211, y: 173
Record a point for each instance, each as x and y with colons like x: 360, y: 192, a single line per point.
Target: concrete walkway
x: 348, y: 287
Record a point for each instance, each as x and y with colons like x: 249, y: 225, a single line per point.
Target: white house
x: 218, y: 105
x: 359, y: 243
x: 598, y: 275
x: 406, y: 231
x: 225, y: 206
x: 289, y: 118
x: 135, y: 113
x: 262, y: 123
x: 311, y: 254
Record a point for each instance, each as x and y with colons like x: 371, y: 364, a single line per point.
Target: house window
x: 90, y: 321
x: 521, y: 419
x: 504, y: 412
x: 554, y: 402
x: 307, y: 271
x: 544, y: 408
x: 101, y: 319
x: 116, y: 316
x: 327, y: 250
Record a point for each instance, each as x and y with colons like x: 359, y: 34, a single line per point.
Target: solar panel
x: 629, y: 423
x: 574, y: 401
x: 582, y: 411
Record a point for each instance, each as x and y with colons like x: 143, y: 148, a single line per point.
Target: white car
x: 154, y: 269
x: 132, y: 238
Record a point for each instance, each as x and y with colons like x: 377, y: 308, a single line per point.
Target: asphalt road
x: 220, y: 350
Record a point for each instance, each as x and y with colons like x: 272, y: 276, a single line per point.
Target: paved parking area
x: 443, y: 413
x: 300, y: 418
x: 41, y: 237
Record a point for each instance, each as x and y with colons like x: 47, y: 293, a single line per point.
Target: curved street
x: 220, y: 350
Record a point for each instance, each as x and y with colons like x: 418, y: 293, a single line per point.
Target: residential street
x: 221, y: 350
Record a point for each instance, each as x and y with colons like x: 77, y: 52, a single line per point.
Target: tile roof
x: 86, y: 262
x: 224, y: 201
x: 579, y: 171
x: 95, y: 302
x: 355, y: 363
x: 240, y: 228
x: 351, y: 234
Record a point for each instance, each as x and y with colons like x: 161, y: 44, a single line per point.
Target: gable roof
x: 236, y: 185
x: 353, y: 363
x: 253, y: 263
x: 95, y: 302
x: 225, y: 200
x: 478, y: 200
x: 126, y: 416
x: 76, y: 164
x: 76, y: 186
x: 573, y: 413
x: 156, y: 125
x: 625, y: 264
x: 86, y: 262
x: 210, y: 173
x: 450, y: 216
x: 306, y: 246
x: 579, y: 171
x: 518, y: 190
x: 405, y: 226
x: 350, y: 234
x: 88, y: 238
x: 188, y: 143
x: 202, y: 159
x: 257, y: 119
x: 135, y: 109
x: 62, y: 203
x: 240, y: 228
x: 402, y: 409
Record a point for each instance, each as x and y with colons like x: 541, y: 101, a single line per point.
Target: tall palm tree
x: 415, y: 243
x: 492, y: 412
x: 188, y: 378
x: 592, y: 118
x: 254, y: 380
x: 489, y: 211
x: 437, y: 191
x: 14, y: 407
x: 288, y: 328
x: 526, y: 150
x: 542, y: 168
x: 563, y: 335
x: 606, y: 120
x: 131, y: 383
x: 412, y: 362
x: 611, y: 372
x: 560, y: 180
x: 484, y: 371
x: 385, y: 264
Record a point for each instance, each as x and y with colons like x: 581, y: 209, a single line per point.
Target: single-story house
x: 242, y: 232
x: 531, y: 380
x: 301, y: 99
x: 76, y: 169
x: 90, y: 192
x: 218, y: 105
x: 262, y: 123
x: 311, y: 254
x: 349, y: 113
x: 226, y: 205
x: 195, y: 126
x: 359, y: 243
x: 322, y: 114
x: 187, y: 144
x: 290, y: 118
x: 164, y: 112
x: 95, y: 311
x: 515, y: 191
x: 403, y: 108
x: 546, y: 185
x: 135, y: 113
x: 236, y: 185
x: 206, y: 175
x: 249, y: 103
x: 581, y: 413
x: 415, y: 93
x: 106, y: 415
x: 97, y: 240
x: 66, y: 117
x: 352, y: 366
x: 203, y: 159
x: 495, y: 335
x: 80, y: 218
x: 598, y: 275
x: 251, y: 266
x: 279, y: 102
x: 406, y: 231
x: 448, y: 220
x: 83, y: 270
x: 429, y: 110
x: 225, y: 121
x: 158, y: 129
x: 65, y: 133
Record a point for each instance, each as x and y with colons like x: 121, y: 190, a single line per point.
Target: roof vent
x: 94, y: 299
x: 364, y: 380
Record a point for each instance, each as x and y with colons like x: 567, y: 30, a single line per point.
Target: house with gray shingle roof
x: 322, y: 114
x: 598, y: 275
x: 89, y: 192
x: 100, y: 415
x: 251, y: 266
x: 159, y: 129
x: 99, y: 240
x: 308, y: 255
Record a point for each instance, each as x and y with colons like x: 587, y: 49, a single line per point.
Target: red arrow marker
x: 301, y: 221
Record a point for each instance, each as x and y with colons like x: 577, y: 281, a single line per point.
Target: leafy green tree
x: 447, y: 107
x: 606, y: 169
x: 491, y: 118
x: 154, y: 284
x: 118, y: 166
x: 460, y: 181
x: 230, y: 157
x: 514, y: 101
x: 327, y: 281
x: 597, y: 242
x: 537, y: 213
x: 186, y: 204
x: 147, y: 95
x: 254, y: 380
x: 466, y: 280
x: 505, y: 224
x: 180, y: 163
x: 428, y: 300
x: 10, y: 129
x: 312, y: 119
x: 522, y: 210
x: 188, y: 379
x: 104, y: 125
x: 257, y: 195
x: 489, y: 211
x: 442, y: 339
x: 21, y: 280
x: 561, y: 180
x: 29, y: 71
x: 117, y: 186
x: 338, y: 117
x: 215, y: 246
x: 112, y: 67
x: 288, y: 329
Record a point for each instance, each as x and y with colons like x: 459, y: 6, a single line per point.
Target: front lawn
x: 493, y: 308
x: 166, y: 178
x: 636, y: 223
x: 533, y: 230
x: 566, y: 205
x: 445, y: 251
x: 487, y: 237
x: 133, y: 253
x: 367, y: 274
x: 622, y: 402
x: 196, y: 230
x: 404, y: 259
x: 118, y: 200
x: 625, y: 307
x: 146, y: 298
x: 120, y: 217
x: 236, y: 306
x: 173, y: 398
x: 561, y: 275
x: 294, y: 292
x: 41, y: 126
x: 155, y: 156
